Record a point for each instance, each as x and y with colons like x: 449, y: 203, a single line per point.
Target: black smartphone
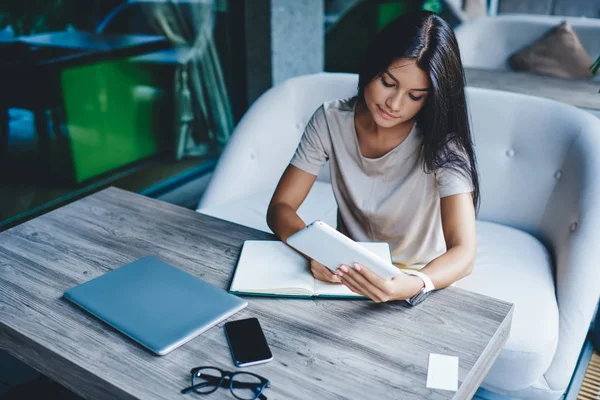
x: 247, y: 342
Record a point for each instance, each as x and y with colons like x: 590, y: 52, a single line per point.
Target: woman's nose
x: 394, y: 103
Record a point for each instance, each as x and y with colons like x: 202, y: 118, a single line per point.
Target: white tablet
x: 331, y: 248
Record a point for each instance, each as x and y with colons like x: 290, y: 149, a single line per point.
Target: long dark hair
x: 443, y: 121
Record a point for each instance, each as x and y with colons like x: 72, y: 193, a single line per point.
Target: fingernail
x: 344, y: 268
x: 356, y: 266
x: 339, y: 273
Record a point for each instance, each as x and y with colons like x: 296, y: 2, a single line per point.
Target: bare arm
x: 292, y: 189
x: 458, y: 224
x: 282, y: 217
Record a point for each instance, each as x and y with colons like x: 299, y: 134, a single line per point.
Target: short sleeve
x: 451, y: 181
x: 312, y: 152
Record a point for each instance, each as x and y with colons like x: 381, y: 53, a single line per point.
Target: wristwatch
x: 425, y: 290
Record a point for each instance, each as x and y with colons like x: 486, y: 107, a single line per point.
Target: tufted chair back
x: 264, y: 141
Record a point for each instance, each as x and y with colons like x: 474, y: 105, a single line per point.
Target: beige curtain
x: 201, y: 93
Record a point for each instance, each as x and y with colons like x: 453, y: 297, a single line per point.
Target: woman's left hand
x: 363, y: 281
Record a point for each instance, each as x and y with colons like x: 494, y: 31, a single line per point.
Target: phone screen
x: 247, y: 342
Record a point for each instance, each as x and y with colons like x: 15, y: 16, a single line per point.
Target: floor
x: 590, y: 387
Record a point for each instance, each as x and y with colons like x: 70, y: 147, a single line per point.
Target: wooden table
x: 577, y: 92
x: 323, y: 349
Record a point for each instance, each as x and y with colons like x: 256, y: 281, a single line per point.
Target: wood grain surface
x: 323, y: 349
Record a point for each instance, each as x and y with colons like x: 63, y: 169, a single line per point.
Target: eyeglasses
x: 243, y: 385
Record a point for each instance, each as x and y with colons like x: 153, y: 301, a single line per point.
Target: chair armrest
x: 571, y: 227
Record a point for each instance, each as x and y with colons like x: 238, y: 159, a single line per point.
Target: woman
x: 401, y: 160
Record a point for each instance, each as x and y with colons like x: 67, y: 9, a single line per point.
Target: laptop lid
x: 155, y: 304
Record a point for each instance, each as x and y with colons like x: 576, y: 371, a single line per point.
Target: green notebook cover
x: 299, y: 296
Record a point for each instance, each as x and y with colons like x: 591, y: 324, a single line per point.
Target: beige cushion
x: 559, y: 53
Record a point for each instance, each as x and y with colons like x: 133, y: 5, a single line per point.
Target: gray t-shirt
x: 389, y: 198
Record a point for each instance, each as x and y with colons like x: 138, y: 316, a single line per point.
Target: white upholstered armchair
x: 538, y: 228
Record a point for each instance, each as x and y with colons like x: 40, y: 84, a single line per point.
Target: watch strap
x: 426, y: 280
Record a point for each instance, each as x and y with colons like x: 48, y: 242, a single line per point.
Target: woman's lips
x: 385, y: 114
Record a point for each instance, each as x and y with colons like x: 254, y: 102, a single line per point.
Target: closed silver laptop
x: 155, y: 304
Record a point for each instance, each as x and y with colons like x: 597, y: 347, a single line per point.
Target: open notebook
x: 272, y: 268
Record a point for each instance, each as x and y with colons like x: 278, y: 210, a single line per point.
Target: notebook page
x: 333, y: 289
x: 382, y: 249
x: 271, y: 267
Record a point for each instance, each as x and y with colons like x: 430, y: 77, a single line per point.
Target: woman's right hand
x: 323, y: 273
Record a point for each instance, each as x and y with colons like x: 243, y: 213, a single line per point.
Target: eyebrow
x: 396, y: 80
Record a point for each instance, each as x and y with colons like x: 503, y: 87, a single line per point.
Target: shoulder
x: 454, y: 174
x: 330, y: 113
x: 453, y: 152
x: 335, y: 108
x: 340, y: 106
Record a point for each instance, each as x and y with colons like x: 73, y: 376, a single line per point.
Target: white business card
x: 442, y: 372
